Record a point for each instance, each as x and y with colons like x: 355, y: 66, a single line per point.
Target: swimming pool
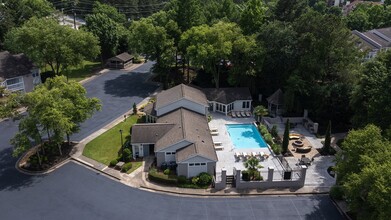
x: 245, y: 136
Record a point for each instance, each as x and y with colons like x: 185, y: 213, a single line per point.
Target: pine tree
x: 285, y: 141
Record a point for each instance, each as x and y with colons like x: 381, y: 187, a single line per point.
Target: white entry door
x: 140, y: 151
x: 196, y: 168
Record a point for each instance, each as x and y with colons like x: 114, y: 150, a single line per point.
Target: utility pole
x: 74, y: 20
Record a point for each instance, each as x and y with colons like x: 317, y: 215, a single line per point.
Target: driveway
x: 75, y: 192
x: 117, y: 90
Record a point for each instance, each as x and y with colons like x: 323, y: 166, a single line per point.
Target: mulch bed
x: 53, y: 158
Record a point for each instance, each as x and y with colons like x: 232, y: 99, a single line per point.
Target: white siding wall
x: 238, y: 105
x: 182, y: 103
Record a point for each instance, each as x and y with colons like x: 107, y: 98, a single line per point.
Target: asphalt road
x: 75, y: 192
x: 117, y: 90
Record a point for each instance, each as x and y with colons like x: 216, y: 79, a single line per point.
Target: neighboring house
x: 275, y: 103
x: 121, y: 61
x: 178, y: 130
x: 373, y: 41
x: 226, y: 100
x: 18, y: 73
x: 174, y: 98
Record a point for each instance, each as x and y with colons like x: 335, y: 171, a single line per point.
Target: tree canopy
x: 55, y: 110
x: 47, y: 42
x: 363, y: 170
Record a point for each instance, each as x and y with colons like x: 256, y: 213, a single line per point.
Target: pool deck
x: 226, y: 157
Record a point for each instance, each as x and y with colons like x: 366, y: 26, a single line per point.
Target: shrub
x: 263, y: 129
x: 113, y: 162
x: 166, y: 171
x: 126, y: 167
x: 205, y: 179
x: 245, y: 175
x: 274, y: 131
x: 195, y: 180
x: 154, y: 176
x: 336, y: 192
x: 276, y: 148
x: 268, y: 138
x: 182, y: 179
x: 209, y: 118
x: 257, y: 176
x: 127, y: 155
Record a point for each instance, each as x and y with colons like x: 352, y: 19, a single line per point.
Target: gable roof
x: 180, y: 92
x: 277, y: 98
x: 122, y: 57
x: 189, y: 126
x: 375, y: 39
x: 149, y: 109
x: 227, y: 95
x: 149, y: 133
x: 14, y: 65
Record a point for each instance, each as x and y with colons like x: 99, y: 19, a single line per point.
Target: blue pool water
x: 245, y: 136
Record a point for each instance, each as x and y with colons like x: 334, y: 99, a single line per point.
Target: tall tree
x: 210, y: 47
x: 326, y: 68
x: 109, y: 11
x: 107, y: 31
x: 285, y: 140
x: 253, y: 16
x: 55, y: 109
x: 363, y: 170
x: 260, y: 111
x: 370, y: 99
x: 289, y: 10
x: 45, y: 41
x: 252, y: 165
x: 327, y: 140
x: 154, y: 41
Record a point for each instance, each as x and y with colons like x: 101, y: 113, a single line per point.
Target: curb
x: 92, y: 167
x: 230, y: 195
x: 344, y: 214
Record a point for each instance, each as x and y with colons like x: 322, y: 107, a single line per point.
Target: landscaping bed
x: 202, y: 181
x: 50, y: 157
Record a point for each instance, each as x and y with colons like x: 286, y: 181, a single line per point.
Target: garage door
x: 170, y: 156
x: 196, y: 168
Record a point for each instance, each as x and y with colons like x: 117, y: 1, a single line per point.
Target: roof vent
x: 156, y: 134
x: 203, y: 141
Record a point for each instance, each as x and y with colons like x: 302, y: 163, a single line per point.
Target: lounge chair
x: 248, y: 114
x: 218, y: 143
x: 238, y: 114
x: 219, y: 147
x: 233, y: 114
x: 214, y: 130
x: 254, y: 154
x: 243, y: 114
x: 238, y: 154
x: 214, y: 133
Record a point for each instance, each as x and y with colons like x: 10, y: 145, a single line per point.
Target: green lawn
x: 135, y: 165
x: 86, y: 69
x: 80, y: 72
x: 105, y: 147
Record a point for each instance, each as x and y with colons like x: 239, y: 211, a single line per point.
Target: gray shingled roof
x: 185, y: 125
x: 14, y: 65
x: 150, y: 109
x: 375, y: 39
x: 122, y: 57
x: 149, y: 133
x: 227, y: 95
x: 180, y: 92
x: 277, y: 98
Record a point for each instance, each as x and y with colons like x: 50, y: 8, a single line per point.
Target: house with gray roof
x: 177, y: 127
x: 18, y: 73
x: 275, y: 103
x: 373, y: 41
x: 227, y: 100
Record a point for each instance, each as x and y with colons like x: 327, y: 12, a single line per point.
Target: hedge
x: 154, y: 176
x: 126, y: 167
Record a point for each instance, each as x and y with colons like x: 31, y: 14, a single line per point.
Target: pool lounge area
x: 227, y: 149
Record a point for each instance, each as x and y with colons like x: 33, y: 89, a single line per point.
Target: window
x: 246, y: 104
x: 13, y: 81
x: 170, y: 153
x: 223, y: 108
x: 203, y: 164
